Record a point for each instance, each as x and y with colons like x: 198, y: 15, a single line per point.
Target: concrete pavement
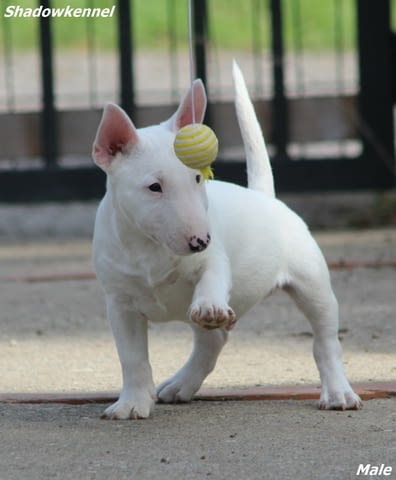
x: 203, y: 440
x: 54, y: 339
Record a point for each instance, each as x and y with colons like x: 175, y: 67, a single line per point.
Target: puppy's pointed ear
x: 116, y: 133
x: 184, y: 115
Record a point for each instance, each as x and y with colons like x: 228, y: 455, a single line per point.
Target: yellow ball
x: 196, y: 145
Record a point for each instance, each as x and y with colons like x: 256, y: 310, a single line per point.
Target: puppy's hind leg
x: 311, y: 290
x: 207, y: 347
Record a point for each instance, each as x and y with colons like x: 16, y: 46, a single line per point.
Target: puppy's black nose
x: 197, y: 244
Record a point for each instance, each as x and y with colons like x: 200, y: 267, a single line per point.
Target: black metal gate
x: 367, y: 117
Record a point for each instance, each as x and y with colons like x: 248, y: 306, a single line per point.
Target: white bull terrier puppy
x: 170, y: 246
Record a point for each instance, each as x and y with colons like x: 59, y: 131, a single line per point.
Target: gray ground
x: 216, y: 440
x: 54, y: 338
x: 54, y: 335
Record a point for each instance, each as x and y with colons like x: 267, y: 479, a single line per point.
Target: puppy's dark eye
x: 198, y: 178
x: 155, y: 187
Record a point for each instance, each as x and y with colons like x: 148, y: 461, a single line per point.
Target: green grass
x: 231, y: 24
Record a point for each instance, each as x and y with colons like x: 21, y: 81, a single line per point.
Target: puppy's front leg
x: 130, y: 332
x: 209, y: 307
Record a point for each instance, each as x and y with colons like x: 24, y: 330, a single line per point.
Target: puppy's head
x: 150, y: 188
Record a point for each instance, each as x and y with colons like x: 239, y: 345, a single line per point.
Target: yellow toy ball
x: 196, y: 145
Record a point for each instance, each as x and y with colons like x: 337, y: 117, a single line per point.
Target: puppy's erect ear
x: 184, y: 114
x: 116, y: 133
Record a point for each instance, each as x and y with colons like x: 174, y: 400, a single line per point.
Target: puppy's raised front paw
x: 138, y: 405
x: 209, y: 315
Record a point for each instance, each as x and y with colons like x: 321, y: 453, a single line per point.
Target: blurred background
x: 322, y: 76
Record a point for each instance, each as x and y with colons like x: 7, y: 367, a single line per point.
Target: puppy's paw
x: 180, y: 388
x: 340, y: 401
x: 210, y: 315
x: 135, y: 406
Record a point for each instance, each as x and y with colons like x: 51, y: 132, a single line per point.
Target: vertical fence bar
x: 376, y: 85
x: 49, y: 138
x: 127, y: 87
x: 200, y: 15
x: 279, y: 106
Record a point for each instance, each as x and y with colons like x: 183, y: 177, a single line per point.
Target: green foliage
x: 156, y: 23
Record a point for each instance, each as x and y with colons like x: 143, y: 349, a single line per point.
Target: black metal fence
x: 328, y: 115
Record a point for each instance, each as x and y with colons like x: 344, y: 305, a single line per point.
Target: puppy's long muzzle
x: 198, y: 244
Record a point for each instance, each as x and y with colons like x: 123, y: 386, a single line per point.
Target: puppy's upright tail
x: 259, y: 172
